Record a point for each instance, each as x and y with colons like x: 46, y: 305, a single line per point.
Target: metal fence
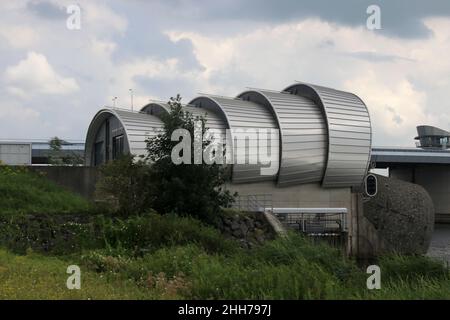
x: 253, y: 202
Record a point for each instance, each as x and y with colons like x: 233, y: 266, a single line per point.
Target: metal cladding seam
x: 349, y: 133
x: 243, y: 116
x: 303, y: 134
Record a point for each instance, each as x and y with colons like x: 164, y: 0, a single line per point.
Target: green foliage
x: 132, y: 236
x: 22, y: 191
x: 411, y: 268
x: 185, y: 189
x: 59, y: 158
x: 128, y: 182
x: 151, y: 231
x: 48, y: 233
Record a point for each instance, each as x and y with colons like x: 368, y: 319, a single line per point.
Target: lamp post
x: 114, y: 101
x: 131, y: 96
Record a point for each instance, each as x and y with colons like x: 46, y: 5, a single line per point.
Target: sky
x: 53, y: 79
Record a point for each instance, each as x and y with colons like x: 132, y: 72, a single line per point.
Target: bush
x: 151, y: 231
x: 127, y: 181
x: 44, y: 233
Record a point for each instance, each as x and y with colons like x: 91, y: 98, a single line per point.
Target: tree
x: 59, y: 157
x: 127, y: 181
x: 191, y: 189
x: 54, y: 157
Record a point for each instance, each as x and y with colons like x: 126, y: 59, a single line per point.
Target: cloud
x: 161, y: 48
x: 396, y: 78
x: 20, y: 36
x: 399, y: 18
x: 46, y: 9
x: 34, y: 75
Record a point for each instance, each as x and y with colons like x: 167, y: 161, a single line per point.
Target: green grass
x: 190, y: 272
x: 170, y: 257
x: 38, y: 277
x: 25, y: 192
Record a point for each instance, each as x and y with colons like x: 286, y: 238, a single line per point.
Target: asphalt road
x: 440, y: 243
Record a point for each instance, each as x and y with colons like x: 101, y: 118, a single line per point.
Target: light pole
x: 131, y: 95
x: 114, y: 101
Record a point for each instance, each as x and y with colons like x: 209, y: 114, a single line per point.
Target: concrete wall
x: 433, y: 178
x: 80, y: 180
x: 15, y: 153
x: 305, y: 195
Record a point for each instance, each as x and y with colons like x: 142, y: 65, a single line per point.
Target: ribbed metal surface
x: 215, y: 121
x: 304, y: 137
x: 244, y: 115
x: 138, y: 127
x: 349, y: 132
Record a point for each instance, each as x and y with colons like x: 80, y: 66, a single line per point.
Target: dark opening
x: 98, y: 153
x: 117, y: 146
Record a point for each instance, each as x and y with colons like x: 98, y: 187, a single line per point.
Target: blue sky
x: 53, y: 80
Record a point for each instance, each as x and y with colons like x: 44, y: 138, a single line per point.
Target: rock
x: 234, y: 225
x: 402, y: 214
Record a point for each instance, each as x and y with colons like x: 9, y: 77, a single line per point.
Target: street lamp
x: 114, y: 101
x: 131, y: 95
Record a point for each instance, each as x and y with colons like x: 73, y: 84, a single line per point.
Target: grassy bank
x: 25, y: 192
x: 44, y: 229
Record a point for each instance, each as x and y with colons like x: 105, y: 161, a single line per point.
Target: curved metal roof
x: 214, y: 121
x: 325, y: 134
x: 240, y: 117
x: 303, y: 135
x: 138, y: 127
x: 430, y: 131
x: 349, y: 133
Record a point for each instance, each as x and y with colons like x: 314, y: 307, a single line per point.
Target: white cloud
x: 19, y: 36
x: 397, y: 78
x: 34, y: 75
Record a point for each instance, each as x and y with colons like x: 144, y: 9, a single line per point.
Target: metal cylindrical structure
x: 303, y: 135
x: 349, y: 133
x: 323, y: 135
x: 245, y: 119
x: 135, y: 126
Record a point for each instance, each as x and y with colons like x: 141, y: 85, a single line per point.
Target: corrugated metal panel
x: 138, y: 127
x: 349, y: 131
x: 215, y: 122
x: 244, y: 115
x: 304, y: 138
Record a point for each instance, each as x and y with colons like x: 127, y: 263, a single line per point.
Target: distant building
x: 15, y: 153
x: 427, y: 165
x: 42, y: 153
x: 38, y: 152
x: 432, y: 138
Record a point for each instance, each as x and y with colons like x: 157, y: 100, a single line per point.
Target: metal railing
x: 253, y: 202
x: 314, y: 221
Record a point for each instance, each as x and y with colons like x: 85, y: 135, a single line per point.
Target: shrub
x: 127, y: 181
x: 55, y: 234
x: 151, y: 231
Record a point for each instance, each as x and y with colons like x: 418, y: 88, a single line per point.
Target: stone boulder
x: 402, y: 215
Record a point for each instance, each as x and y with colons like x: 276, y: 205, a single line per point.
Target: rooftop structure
x: 324, y: 134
